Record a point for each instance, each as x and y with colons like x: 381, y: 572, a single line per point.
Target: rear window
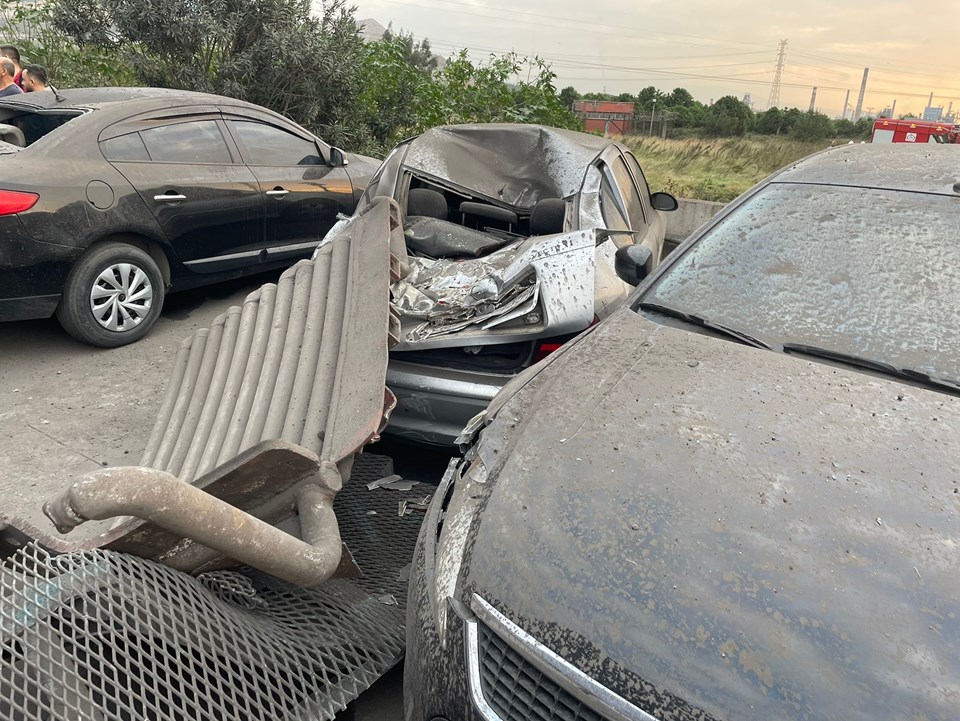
x: 125, y: 147
x: 36, y: 125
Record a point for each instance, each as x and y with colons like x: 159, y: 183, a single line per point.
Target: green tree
x: 814, y: 126
x: 680, y: 97
x: 769, y: 122
x: 568, y: 96
x: 271, y: 52
x: 31, y: 29
x: 418, y: 55
x: 646, y: 97
x: 729, y: 116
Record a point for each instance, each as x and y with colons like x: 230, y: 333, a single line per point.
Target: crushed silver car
x: 511, y: 239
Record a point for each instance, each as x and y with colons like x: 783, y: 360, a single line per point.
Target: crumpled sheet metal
x: 514, y: 164
x: 440, y: 298
x: 303, y: 360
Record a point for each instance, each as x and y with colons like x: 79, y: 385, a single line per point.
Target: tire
x: 112, y: 297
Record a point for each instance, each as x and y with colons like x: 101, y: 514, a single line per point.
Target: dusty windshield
x: 867, y: 272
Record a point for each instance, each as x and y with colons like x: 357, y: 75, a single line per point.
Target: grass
x: 718, y: 169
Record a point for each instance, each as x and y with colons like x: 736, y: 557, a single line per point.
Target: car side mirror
x: 664, y: 201
x: 631, y: 263
x: 338, y: 159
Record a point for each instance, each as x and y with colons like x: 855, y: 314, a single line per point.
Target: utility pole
x: 652, y: 111
x: 846, y: 104
x: 863, y: 91
x: 813, y: 99
x: 774, y: 100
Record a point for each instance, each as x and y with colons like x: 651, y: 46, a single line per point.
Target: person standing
x: 9, y: 51
x: 7, y: 71
x: 34, y: 78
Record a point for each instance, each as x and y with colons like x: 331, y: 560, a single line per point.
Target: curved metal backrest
x: 303, y: 360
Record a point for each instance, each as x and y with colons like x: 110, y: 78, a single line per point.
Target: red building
x: 605, y: 115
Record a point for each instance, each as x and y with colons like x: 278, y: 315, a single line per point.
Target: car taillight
x: 15, y: 201
x: 548, y: 346
x: 544, y: 349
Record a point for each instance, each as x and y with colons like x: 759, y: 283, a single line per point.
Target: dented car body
x: 704, y: 510
x: 510, y: 238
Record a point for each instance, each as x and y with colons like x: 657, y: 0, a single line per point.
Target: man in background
x: 9, y: 51
x: 34, y: 78
x: 7, y: 71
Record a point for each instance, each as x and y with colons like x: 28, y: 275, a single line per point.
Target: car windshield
x: 864, y: 272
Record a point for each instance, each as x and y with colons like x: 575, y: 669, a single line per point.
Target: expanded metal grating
x: 110, y: 637
x: 518, y: 691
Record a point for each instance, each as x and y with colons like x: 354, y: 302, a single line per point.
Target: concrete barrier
x: 687, y: 218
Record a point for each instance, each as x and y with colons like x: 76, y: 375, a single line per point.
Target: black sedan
x: 736, y: 498
x: 111, y: 197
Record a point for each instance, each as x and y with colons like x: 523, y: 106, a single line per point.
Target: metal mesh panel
x: 107, y: 636
x: 518, y: 691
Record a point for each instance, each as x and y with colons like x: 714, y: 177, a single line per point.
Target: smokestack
x: 813, y: 99
x: 846, y: 104
x: 863, y: 91
x: 893, y: 109
x: 930, y: 101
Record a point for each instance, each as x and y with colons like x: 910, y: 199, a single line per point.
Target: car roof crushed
x: 514, y: 164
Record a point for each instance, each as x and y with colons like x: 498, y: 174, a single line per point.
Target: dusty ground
x: 67, y: 408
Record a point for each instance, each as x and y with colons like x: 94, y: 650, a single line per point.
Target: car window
x: 873, y: 273
x: 639, y: 177
x: 268, y: 145
x: 611, y: 204
x: 125, y: 147
x: 629, y: 193
x: 199, y: 141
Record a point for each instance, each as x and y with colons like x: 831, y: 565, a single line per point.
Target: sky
x: 711, y: 48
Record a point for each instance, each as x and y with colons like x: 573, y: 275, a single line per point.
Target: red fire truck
x: 888, y: 130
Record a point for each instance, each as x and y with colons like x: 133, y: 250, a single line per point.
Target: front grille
x: 518, y: 691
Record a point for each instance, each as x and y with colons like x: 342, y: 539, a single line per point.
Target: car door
x: 189, y: 174
x: 302, y: 193
x: 622, y: 205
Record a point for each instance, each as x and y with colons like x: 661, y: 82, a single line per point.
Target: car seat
x: 547, y: 216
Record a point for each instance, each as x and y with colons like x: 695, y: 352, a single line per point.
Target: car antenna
x: 56, y: 93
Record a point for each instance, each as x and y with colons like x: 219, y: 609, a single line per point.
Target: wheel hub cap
x: 121, y: 297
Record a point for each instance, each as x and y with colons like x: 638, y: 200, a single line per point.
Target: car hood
x: 763, y: 537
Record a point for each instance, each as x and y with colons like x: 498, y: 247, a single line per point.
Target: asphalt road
x: 67, y: 408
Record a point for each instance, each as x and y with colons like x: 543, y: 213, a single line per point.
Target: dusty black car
x: 737, y: 497
x: 110, y: 197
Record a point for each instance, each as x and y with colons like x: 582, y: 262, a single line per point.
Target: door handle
x: 277, y: 192
x: 173, y: 198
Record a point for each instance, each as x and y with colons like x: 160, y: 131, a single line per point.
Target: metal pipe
x: 252, y: 433
x: 187, y: 511
x: 307, y: 367
x: 196, y: 344
x: 166, y: 408
x: 293, y: 344
x: 214, y: 395
x: 192, y: 416
x: 249, y: 322
x: 328, y: 359
x: 237, y: 423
